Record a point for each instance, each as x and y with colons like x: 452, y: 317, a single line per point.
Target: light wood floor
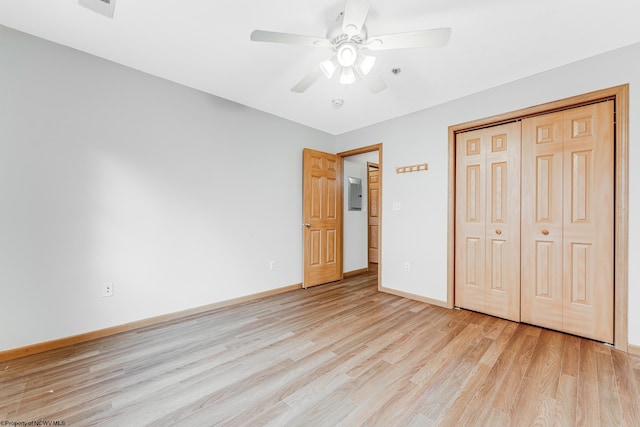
x: 338, y: 354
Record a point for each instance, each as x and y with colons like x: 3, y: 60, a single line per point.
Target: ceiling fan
x: 348, y: 41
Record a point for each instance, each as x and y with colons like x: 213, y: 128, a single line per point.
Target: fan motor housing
x: 339, y: 37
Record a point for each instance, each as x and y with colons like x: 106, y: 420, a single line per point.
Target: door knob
x: 307, y: 224
x: 498, y: 231
x: 545, y: 232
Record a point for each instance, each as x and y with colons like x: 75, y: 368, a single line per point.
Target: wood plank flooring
x: 340, y: 354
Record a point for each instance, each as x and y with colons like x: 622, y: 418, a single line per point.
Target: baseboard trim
x: 633, y: 349
x: 409, y: 295
x: 88, y: 336
x: 354, y: 272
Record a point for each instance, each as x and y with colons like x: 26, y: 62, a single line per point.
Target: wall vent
x: 103, y: 7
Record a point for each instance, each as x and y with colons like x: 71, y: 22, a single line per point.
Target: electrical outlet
x: 272, y: 265
x: 407, y: 266
x: 107, y: 290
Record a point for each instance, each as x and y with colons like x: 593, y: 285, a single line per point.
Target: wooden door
x: 542, y: 196
x: 322, y: 217
x: 488, y: 221
x: 373, y: 185
x: 568, y: 187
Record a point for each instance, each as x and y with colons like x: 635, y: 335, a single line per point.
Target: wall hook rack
x: 413, y: 168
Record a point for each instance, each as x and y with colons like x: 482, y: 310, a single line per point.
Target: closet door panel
x: 542, y: 195
x: 502, y: 296
x: 470, y: 221
x: 588, y: 222
x: 487, y: 221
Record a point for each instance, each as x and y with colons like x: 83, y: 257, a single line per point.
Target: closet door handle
x: 545, y: 232
x: 498, y: 231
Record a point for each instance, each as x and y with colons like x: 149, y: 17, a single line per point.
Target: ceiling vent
x: 103, y: 7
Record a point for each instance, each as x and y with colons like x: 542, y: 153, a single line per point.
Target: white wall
x: 181, y: 199
x: 107, y: 174
x: 418, y: 232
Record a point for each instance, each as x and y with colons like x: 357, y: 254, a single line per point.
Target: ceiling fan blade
x: 372, y: 80
x: 355, y: 12
x: 308, y: 80
x: 428, y: 38
x: 275, y: 37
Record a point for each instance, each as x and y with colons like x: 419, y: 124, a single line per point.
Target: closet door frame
x: 620, y: 96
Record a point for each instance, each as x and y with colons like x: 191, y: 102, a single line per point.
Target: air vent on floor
x: 103, y: 7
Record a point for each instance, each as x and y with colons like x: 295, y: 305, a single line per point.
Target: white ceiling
x: 204, y: 44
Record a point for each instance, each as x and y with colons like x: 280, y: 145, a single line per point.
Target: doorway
x: 358, y: 244
x: 534, y: 220
x: 324, y: 214
x: 619, y: 96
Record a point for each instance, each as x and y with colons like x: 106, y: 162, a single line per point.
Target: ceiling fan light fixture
x: 348, y: 76
x: 365, y: 62
x: 347, y: 38
x: 328, y: 67
x: 347, y: 54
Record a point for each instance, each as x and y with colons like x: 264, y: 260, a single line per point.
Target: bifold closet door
x: 487, y: 276
x: 567, y: 221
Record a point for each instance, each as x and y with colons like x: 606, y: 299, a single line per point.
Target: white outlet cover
x: 107, y: 290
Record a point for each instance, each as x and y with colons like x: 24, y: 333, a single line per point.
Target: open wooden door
x: 322, y: 217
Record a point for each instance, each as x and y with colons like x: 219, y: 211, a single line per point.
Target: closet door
x: 567, y: 222
x: 488, y: 221
x: 542, y: 196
